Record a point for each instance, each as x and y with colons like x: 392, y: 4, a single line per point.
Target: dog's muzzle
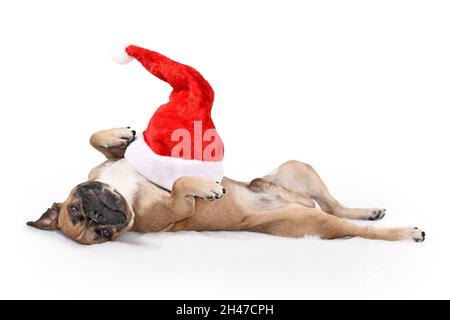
x: 101, y: 205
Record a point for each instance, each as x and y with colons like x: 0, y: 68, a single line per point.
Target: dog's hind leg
x: 303, y: 179
x: 263, y: 186
x: 305, y: 221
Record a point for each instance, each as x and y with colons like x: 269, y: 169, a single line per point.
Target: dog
x: 117, y: 199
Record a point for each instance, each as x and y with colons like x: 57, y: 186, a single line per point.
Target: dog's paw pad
x: 418, y: 235
x: 415, y: 234
x: 377, y: 214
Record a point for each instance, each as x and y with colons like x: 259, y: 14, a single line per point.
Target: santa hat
x: 180, y: 139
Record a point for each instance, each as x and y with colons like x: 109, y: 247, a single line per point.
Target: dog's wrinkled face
x: 93, y: 213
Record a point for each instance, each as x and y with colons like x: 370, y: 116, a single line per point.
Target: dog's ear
x: 49, y: 220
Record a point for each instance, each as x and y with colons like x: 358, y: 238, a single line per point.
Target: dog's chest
x: 121, y: 176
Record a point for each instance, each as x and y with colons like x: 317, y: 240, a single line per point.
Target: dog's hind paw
x: 376, y: 214
x: 412, y: 234
x: 417, y: 235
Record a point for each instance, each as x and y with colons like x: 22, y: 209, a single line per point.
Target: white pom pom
x: 119, y: 54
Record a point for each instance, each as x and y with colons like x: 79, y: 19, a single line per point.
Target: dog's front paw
x: 209, y: 190
x: 212, y: 192
x: 199, y: 188
x: 118, y: 137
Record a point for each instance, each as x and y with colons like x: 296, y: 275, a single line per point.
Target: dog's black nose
x: 107, y: 216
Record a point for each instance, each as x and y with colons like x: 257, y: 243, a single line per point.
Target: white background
x: 358, y: 89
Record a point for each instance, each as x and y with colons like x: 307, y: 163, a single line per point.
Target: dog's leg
x: 185, y: 189
x: 303, y: 179
x: 263, y: 186
x: 177, y: 205
x: 112, y: 143
x: 305, y: 221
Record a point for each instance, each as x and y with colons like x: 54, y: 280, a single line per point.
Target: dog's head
x: 93, y: 213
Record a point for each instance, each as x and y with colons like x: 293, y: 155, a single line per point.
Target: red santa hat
x: 180, y: 139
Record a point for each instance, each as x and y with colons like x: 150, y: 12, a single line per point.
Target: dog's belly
x: 233, y: 210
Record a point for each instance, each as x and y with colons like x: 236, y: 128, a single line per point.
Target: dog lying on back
x: 117, y: 199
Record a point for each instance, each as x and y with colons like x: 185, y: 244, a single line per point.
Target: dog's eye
x: 103, y: 234
x: 107, y: 233
x: 75, y: 214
